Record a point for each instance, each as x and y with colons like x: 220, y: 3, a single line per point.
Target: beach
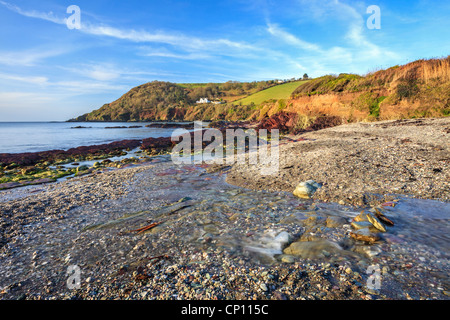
x: 160, y: 231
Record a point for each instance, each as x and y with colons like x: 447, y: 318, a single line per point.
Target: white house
x: 203, y: 100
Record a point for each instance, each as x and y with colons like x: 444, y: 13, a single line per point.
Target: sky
x: 52, y: 69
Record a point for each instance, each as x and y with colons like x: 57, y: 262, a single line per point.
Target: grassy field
x: 282, y: 91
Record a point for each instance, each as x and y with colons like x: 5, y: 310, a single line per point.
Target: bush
x: 407, y: 89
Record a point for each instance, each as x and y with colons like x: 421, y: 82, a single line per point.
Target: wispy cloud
x: 95, y: 71
x: 26, y: 79
x: 291, y: 39
x: 179, y: 40
x: 48, y: 16
x: 165, y: 53
x: 28, y: 57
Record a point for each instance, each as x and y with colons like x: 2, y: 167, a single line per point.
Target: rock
x: 271, y: 243
x: 306, y: 189
x: 312, y: 220
x: 82, y: 168
x: 211, y: 228
x: 279, y: 296
x: 283, y: 121
x: 361, y: 217
x: 263, y: 287
x: 61, y: 156
x: 361, y: 225
x: 369, y: 251
x: 291, y: 219
x: 383, y: 218
x: 376, y: 223
x: 28, y: 170
x: 312, y: 249
x: 365, y: 235
x: 335, y: 222
x: 286, y: 258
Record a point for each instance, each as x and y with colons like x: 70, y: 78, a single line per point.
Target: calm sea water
x: 17, y: 137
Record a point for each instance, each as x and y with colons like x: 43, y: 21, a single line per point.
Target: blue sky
x: 51, y: 72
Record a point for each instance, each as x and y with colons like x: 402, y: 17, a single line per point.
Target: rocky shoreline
x: 362, y: 163
x: 155, y: 230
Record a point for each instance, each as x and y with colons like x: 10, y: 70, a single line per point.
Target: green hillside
x: 282, y: 91
x: 159, y: 100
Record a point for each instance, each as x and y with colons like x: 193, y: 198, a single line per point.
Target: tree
x: 305, y: 76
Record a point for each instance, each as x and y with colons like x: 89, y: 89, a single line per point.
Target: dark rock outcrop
x: 32, y: 158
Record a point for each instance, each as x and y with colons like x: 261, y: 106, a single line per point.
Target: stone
x: 361, y: 225
x: 82, y: 168
x: 376, y: 223
x: 369, y: 251
x: 312, y: 249
x: 28, y: 170
x: 335, y: 222
x: 306, y: 189
x: 365, y: 235
x: 311, y: 221
x: 211, y: 228
x: 291, y: 219
x: 383, y: 218
x: 283, y: 121
x: 361, y: 217
x: 286, y: 258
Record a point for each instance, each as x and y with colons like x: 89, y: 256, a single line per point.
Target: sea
x: 19, y: 137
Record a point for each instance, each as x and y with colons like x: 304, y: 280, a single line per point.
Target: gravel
x: 215, y: 240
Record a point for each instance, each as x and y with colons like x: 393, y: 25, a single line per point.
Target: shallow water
x: 18, y: 137
x: 247, y: 224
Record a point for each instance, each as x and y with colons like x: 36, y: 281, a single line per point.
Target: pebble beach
x: 155, y: 230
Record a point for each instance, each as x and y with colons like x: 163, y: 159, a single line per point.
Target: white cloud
x: 84, y: 87
x: 163, y: 52
x: 98, y: 71
x: 27, y: 79
x: 9, y: 98
x: 34, y: 14
x: 291, y: 39
x: 141, y: 36
x: 27, y: 58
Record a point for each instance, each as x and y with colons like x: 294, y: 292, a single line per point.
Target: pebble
x: 194, y: 269
x: 306, y: 189
x: 263, y: 287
